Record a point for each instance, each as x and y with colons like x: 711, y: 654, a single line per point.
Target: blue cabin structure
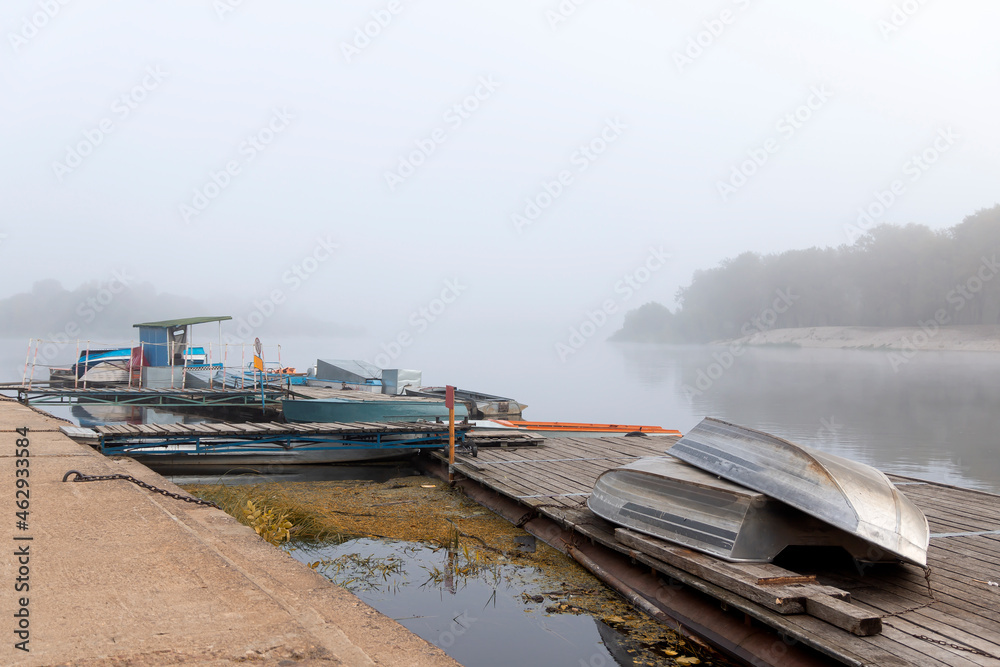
x: 164, y: 343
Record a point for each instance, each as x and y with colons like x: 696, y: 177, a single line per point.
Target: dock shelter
x: 163, y: 343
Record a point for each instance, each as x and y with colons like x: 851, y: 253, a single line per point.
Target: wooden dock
x: 947, y: 615
x: 243, y: 430
x: 235, y: 443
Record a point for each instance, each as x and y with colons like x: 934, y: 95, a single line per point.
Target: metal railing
x: 226, y: 366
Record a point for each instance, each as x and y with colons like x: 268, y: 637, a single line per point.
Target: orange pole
x: 450, y: 402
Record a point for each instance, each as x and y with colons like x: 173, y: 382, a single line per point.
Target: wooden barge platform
x: 232, y: 443
x: 884, y: 614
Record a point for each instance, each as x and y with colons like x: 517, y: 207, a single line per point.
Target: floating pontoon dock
x: 266, y: 441
x: 175, y: 398
x: 825, y: 611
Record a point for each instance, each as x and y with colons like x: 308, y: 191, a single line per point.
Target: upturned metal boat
x: 845, y: 494
x: 667, y: 498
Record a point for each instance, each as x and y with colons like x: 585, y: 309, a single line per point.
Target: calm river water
x: 935, y: 417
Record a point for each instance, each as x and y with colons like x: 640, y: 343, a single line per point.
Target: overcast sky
x: 261, y: 149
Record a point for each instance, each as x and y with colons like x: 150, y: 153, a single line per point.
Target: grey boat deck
x: 298, y: 391
x: 951, y: 617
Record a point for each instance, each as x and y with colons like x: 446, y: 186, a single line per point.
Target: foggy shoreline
x: 928, y: 335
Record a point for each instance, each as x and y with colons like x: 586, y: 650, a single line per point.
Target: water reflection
x: 472, y: 618
x: 931, y: 418
x: 483, y: 614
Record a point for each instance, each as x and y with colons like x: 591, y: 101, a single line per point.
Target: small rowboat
x: 669, y: 499
x: 848, y: 495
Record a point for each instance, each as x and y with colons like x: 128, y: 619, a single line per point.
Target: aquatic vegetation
x: 270, y: 526
x: 354, y: 571
x: 413, y: 534
x: 272, y: 498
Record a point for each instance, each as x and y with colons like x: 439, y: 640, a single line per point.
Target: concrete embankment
x: 108, y: 573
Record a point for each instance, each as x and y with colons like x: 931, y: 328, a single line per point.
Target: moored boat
x: 368, y: 408
x: 103, y: 367
x: 478, y: 404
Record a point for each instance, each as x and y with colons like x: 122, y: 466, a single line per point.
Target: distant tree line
x: 893, y: 276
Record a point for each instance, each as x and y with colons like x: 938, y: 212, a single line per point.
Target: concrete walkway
x: 121, y: 576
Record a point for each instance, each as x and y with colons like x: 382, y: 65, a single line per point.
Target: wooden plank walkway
x: 950, y: 615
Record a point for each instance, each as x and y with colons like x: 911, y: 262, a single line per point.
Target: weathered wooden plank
x: 222, y: 429
x: 78, y: 433
x: 817, y: 634
x: 844, y: 615
x: 782, y: 599
x: 781, y: 581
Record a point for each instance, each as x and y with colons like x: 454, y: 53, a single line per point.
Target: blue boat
x: 112, y: 367
x: 97, y: 367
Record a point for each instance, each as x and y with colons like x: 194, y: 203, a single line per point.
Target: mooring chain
x: 80, y: 477
x: 957, y: 647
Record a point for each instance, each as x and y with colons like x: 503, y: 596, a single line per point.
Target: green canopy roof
x: 169, y: 324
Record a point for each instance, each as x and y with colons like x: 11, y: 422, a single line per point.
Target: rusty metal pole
x: 449, y: 402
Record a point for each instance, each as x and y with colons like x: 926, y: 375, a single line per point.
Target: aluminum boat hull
x: 674, y: 501
x: 848, y: 495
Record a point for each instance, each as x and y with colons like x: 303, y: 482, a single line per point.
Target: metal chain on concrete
x: 80, y: 477
x: 38, y: 410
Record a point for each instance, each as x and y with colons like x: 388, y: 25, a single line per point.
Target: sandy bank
x: 976, y: 338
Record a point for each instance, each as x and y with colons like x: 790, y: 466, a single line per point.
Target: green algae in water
x: 452, y: 572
